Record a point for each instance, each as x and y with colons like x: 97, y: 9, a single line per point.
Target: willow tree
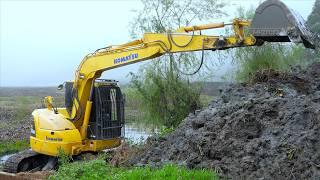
x: 166, y: 91
x: 313, y: 23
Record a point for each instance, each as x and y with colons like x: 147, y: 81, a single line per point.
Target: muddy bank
x: 267, y: 129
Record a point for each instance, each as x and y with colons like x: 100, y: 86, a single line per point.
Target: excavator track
x: 27, y: 160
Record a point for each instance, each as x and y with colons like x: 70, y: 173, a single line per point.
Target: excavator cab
x: 107, y: 113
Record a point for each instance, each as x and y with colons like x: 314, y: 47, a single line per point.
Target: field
x: 16, y: 106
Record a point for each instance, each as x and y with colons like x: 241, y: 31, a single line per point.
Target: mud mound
x: 267, y: 130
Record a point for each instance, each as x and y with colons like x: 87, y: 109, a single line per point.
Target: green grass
x: 9, y: 147
x: 134, y: 112
x: 24, y: 107
x: 133, y: 98
x: 21, y: 106
x: 98, y: 169
x: 269, y: 56
x: 205, y: 100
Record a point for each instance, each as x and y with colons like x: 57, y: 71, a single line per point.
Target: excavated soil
x: 268, y: 129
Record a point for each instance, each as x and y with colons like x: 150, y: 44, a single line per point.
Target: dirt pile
x: 265, y: 130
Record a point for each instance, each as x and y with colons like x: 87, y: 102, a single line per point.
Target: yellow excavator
x: 93, y: 117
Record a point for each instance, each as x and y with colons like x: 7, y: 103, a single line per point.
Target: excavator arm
x: 273, y: 22
x: 153, y: 45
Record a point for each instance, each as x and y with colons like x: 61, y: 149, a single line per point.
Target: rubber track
x: 11, y: 165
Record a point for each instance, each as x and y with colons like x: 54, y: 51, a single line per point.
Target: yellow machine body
x: 54, y: 133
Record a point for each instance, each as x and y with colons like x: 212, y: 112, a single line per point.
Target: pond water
x: 4, y: 158
x: 138, y: 133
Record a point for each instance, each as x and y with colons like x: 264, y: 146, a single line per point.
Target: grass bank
x: 99, y: 169
x: 9, y: 147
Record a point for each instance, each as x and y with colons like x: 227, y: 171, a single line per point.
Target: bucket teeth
x: 275, y: 22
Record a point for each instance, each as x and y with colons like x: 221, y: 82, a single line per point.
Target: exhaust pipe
x: 275, y: 22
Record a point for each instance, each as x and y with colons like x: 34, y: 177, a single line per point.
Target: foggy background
x: 43, y: 42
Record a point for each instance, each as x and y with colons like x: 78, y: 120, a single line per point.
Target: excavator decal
x: 53, y: 139
x: 126, y: 58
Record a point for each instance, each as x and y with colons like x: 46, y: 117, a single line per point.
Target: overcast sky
x: 42, y: 42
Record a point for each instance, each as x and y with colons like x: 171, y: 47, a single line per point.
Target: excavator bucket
x: 275, y: 22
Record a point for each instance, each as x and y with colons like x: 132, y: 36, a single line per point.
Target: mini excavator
x: 93, y: 117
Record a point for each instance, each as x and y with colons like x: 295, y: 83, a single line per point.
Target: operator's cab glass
x: 68, y: 97
x: 107, y: 113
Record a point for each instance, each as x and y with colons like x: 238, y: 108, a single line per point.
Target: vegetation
x: 269, y: 56
x: 9, y: 147
x: 165, y: 131
x: 167, y: 102
x: 133, y: 107
x: 19, y: 108
x: 63, y: 157
x: 314, y: 25
x: 205, y: 99
x: 166, y: 92
x: 314, y: 18
x: 98, y: 169
x: 136, y: 110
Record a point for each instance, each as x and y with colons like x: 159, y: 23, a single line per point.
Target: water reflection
x: 4, y: 158
x: 139, y: 132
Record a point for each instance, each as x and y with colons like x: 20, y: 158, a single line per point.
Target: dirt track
x: 268, y: 129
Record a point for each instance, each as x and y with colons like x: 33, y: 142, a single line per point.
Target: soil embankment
x: 267, y: 129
